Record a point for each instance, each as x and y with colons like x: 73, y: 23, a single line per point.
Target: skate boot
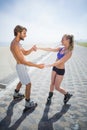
x: 29, y: 105
x: 50, y: 96
x: 67, y: 97
x: 18, y: 96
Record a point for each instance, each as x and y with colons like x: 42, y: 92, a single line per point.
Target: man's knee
x: 28, y: 85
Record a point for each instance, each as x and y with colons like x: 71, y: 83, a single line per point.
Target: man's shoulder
x: 15, y: 43
x: 12, y: 42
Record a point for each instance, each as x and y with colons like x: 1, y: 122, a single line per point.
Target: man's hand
x: 40, y: 66
x: 34, y: 48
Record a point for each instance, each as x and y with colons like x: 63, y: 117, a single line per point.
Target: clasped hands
x: 34, y: 48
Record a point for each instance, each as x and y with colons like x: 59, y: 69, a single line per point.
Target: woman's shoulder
x: 60, y: 47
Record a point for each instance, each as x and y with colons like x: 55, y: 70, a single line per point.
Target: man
x: 19, y: 52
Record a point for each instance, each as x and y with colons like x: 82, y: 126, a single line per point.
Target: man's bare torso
x: 16, y: 50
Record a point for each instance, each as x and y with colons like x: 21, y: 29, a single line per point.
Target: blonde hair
x: 71, y: 42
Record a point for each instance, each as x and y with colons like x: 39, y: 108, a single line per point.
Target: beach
x: 55, y: 115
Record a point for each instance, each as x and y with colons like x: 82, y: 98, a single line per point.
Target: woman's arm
x: 49, y: 49
x: 62, y: 60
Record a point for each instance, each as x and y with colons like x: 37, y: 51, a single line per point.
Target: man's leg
x: 28, y: 91
x: 18, y: 86
x: 18, y: 95
x: 28, y: 103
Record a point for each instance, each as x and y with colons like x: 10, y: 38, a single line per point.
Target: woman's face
x: 65, y: 41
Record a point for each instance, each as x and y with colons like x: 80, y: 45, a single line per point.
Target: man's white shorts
x: 23, y: 73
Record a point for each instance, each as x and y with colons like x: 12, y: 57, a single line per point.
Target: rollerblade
x: 49, y: 97
x: 18, y: 96
x: 67, y: 97
x: 29, y: 106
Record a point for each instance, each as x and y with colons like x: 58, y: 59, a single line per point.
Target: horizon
x: 2, y: 44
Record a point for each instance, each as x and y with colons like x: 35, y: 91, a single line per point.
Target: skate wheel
x: 16, y: 99
x: 29, y: 109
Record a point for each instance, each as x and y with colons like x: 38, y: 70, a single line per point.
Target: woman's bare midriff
x: 61, y: 66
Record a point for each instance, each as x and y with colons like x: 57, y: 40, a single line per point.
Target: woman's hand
x: 49, y: 65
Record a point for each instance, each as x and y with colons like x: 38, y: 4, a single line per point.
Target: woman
x: 58, y: 70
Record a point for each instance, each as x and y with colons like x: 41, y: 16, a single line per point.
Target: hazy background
x: 46, y: 20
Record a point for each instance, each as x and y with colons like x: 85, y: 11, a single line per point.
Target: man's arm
x: 27, y: 52
x: 20, y: 57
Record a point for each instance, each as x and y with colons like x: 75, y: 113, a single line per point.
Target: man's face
x: 23, y: 34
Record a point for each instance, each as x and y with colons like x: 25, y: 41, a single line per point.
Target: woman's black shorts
x: 59, y: 71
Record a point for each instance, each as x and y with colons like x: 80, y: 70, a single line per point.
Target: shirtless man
x: 19, y: 52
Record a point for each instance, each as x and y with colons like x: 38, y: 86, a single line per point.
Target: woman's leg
x: 58, y: 81
x: 53, y: 76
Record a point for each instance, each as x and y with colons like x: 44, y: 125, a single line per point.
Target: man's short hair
x: 18, y: 28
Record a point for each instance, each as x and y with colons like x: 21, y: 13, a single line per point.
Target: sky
x: 46, y: 20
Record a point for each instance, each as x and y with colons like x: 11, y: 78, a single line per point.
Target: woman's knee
x: 57, y: 88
